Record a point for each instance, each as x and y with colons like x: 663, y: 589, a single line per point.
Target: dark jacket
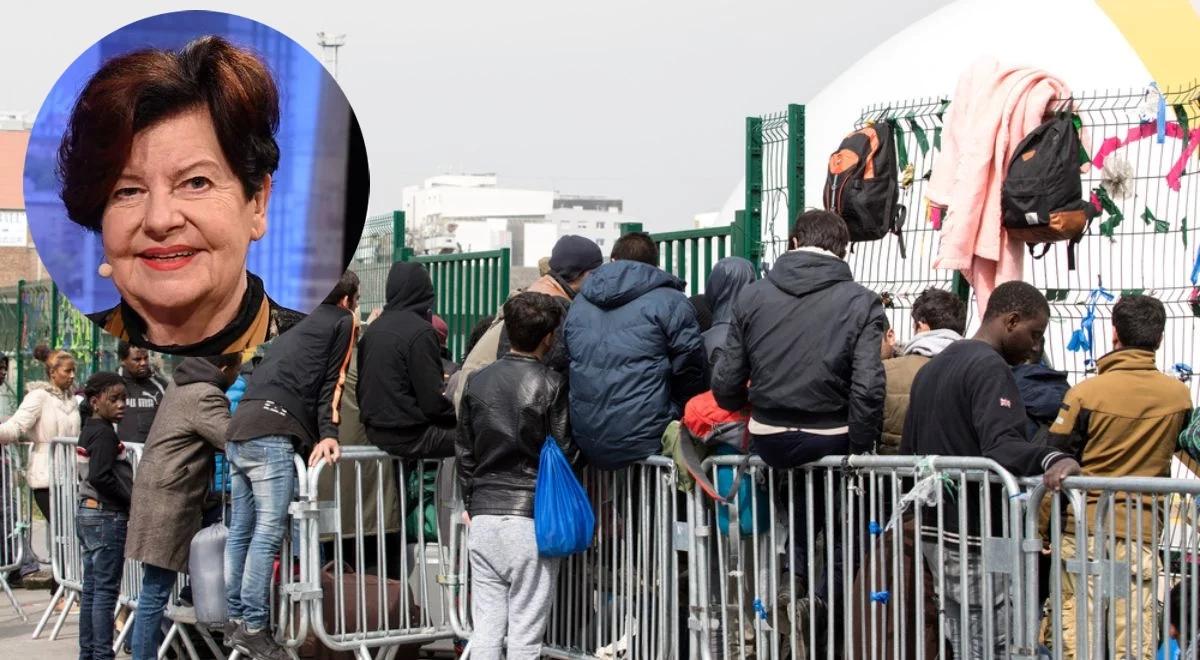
x: 303, y: 370
x: 176, y: 466
x: 142, y: 397
x: 1042, y: 391
x: 636, y: 358
x: 400, y: 364
x: 103, y: 466
x: 508, y: 410
x: 806, y: 339
x: 725, y: 283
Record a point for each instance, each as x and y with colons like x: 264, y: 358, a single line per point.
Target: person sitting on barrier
x: 636, y: 353
x: 49, y: 410
x: 105, y: 485
x: 939, y: 318
x: 571, y: 262
x: 965, y: 402
x: 172, y: 483
x: 1123, y: 422
x: 804, y: 352
x: 509, y: 409
x: 144, y: 390
x: 291, y: 406
x: 400, y: 382
x: 725, y: 283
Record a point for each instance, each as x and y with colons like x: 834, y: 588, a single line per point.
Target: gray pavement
x: 15, y: 640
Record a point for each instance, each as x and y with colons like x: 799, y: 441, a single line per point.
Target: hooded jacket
x: 303, y: 370
x: 726, y: 281
x: 399, y: 364
x: 636, y: 357
x: 899, y: 373
x: 142, y: 396
x: 176, y: 466
x: 806, y: 339
x: 45, y: 413
x: 1042, y: 391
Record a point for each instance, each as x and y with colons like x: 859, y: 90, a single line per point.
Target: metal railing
x: 14, y: 521
x: 468, y: 287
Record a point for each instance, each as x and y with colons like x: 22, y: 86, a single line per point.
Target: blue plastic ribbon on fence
x: 1162, y: 114
x: 1183, y: 370
x: 1081, y: 338
x: 881, y: 597
x: 760, y: 609
x: 1196, y: 270
x: 875, y: 528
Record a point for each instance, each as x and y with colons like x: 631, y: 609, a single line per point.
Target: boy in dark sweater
x: 509, y: 409
x: 105, y: 485
x: 965, y: 402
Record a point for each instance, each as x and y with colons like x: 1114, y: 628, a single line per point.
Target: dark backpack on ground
x: 863, y: 185
x: 1042, y: 198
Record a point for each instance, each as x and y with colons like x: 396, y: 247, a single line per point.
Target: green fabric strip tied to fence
x: 1160, y: 226
x: 1114, y: 212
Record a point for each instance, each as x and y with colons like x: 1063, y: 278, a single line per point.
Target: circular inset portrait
x: 196, y: 182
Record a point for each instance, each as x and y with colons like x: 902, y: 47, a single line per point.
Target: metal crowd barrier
x: 852, y: 557
x: 620, y: 598
x: 1123, y: 566
x: 374, y: 557
x: 14, y: 521
x: 66, y: 557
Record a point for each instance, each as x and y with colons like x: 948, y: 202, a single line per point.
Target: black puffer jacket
x: 400, y: 364
x: 807, y: 340
x: 508, y: 410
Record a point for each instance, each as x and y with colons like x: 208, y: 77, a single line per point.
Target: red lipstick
x: 171, y: 257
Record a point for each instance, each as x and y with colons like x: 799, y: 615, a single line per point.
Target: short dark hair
x: 821, y: 229
x: 940, y: 309
x: 1019, y: 297
x: 123, y: 350
x: 887, y: 324
x: 636, y: 246
x: 347, y: 287
x: 224, y: 361
x: 529, y: 317
x: 133, y: 92
x: 1140, y: 321
x: 95, y: 386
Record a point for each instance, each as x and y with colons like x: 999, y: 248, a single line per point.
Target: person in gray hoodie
x: 939, y: 319
x: 726, y: 281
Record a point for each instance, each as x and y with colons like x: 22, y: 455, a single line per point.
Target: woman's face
x: 63, y: 375
x: 178, y: 224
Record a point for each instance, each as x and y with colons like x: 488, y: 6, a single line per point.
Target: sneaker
x: 260, y: 645
x: 232, y: 632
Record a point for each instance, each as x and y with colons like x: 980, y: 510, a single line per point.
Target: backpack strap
x: 898, y: 226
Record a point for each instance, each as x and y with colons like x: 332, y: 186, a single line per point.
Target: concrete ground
x: 15, y: 634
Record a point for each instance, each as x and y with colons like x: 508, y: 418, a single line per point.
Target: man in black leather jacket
x: 509, y: 409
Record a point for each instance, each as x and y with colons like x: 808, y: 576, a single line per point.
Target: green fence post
x: 505, y: 278
x: 400, y: 251
x: 95, y: 348
x: 960, y: 287
x: 737, y: 240
x: 795, y: 162
x: 20, y: 356
x: 629, y: 227
x: 53, y: 316
x: 754, y: 186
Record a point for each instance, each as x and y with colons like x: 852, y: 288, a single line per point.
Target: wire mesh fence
x: 1140, y: 243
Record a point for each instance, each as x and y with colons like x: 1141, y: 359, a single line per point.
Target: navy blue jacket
x: 636, y: 357
x: 1042, y: 391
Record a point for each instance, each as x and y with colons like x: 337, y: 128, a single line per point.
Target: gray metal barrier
x: 14, y: 521
x: 66, y: 557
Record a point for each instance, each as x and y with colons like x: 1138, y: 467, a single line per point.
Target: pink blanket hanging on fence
x: 994, y: 107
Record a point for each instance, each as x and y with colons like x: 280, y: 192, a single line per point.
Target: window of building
x: 600, y: 225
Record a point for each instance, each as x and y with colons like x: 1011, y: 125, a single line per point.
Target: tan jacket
x: 45, y: 413
x: 899, y: 373
x: 1123, y: 422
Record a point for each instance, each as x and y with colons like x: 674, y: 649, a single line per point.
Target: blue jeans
x: 262, y: 479
x: 147, y: 628
x: 102, y: 539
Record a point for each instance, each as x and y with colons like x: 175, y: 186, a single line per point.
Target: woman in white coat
x: 49, y: 410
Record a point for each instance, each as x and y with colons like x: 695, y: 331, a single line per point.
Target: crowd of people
x: 599, y: 356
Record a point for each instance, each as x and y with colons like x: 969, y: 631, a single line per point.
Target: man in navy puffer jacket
x: 636, y: 355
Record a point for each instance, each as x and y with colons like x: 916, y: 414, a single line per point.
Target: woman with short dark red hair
x: 169, y: 156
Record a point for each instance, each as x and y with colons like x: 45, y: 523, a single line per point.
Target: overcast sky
x: 641, y: 100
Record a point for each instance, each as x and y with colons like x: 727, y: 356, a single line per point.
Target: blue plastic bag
x: 562, y: 516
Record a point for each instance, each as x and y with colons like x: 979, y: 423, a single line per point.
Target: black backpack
x: 1042, y: 197
x: 863, y: 186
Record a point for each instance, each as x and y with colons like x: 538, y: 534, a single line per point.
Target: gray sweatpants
x: 511, y: 588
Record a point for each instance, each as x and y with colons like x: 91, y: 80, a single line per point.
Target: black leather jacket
x: 508, y: 409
